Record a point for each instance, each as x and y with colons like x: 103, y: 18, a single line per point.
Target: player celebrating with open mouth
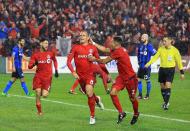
x: 43, y: 77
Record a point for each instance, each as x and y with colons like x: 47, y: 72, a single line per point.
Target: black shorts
x: 18, y: 73
x: 144, y: 73
x: 166, y: 74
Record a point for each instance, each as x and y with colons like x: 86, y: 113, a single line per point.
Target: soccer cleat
x: 139, y: 97
x: 165, y: 106
x: 4, y: 94
x: 121, y: 116
x: 146, y: 97
x: 92, y: 120
x: 108, y: 91
x: 30, y: 94
x: 99, y: 103
x: 39, y: 113
x: 72, y: 92
x: 82, y: 91
x: 134, y: 119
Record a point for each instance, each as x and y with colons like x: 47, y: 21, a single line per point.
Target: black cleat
x: 121, y: 116
x: 134, y: 119
x: 165, y: 106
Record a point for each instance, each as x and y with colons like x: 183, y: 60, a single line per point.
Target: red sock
x: 116, y: 103
x: 74, y: 85
x: 135, y: 107
x: 38, y: 106
x: 91, y: 104
x: 96, y: 98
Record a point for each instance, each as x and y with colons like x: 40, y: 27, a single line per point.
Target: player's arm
x: 33, y: 61
x: 103, y: 61
x: 69, y: 59
x: 55, y: 65
x: 153, y: 59
x: 152, y: 50
x: 100, y: 47
x: 26, y: 58
x: 179, y: 63
x: 138, y: 54
x: 12, y: 59
x: 13, y: 64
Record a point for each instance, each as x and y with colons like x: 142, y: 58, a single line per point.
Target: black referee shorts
x: 166, y: 74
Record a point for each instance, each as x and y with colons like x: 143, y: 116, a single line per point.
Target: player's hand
x: 91, y: 58
x: 75, y: 75
x: 56, y: 74
x: 182, y: 76
x: 91, y: 41
x: 13, y: 70
x: 146, y: 66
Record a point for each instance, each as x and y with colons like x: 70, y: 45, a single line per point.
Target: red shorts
x: 130, y: 85
x: 86, y: 80
x: 43, y: 83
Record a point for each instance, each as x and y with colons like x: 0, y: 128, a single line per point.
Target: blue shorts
x: 18, y: 73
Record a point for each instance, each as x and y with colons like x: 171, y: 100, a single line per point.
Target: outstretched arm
x: 103, y: 61
x: 100, y: 47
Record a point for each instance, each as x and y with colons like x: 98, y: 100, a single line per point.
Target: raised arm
x: 100, y: 47
x: 103, y: 61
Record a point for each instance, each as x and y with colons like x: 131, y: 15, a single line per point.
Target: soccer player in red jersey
x: 43, y: 77
x: 84, y: 73
x: 126, y: 78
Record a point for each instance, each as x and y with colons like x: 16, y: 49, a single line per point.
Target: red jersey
x: 123, y: 63
x: 80, y: 54
x: 44, y: 59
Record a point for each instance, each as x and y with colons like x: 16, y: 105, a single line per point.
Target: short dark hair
x: 118, y: 39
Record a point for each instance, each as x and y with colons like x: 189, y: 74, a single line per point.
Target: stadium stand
x: 61, y: 20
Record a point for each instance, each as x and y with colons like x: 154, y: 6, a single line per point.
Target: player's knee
x: 132, y: 99
x: 45, y: 95
x: 113, y: 91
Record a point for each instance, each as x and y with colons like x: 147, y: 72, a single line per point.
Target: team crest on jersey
x: 91, y: 51
x: 48, y: 56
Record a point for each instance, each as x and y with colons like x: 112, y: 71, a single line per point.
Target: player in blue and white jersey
x: 145, y: 51
x: 17, y: 56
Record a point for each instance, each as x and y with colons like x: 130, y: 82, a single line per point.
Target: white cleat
x: 92, y: 120
x: 100, y: 104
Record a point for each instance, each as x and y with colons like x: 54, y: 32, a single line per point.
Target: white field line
x: 106, y: 109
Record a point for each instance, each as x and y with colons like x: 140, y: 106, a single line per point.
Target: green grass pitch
x: 65, y: 112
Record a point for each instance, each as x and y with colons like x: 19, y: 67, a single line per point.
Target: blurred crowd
x: 32, y: 19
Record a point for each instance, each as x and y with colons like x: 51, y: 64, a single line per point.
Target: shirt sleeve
x: 154, y: 58
x: 178, y: 60
x: 152, y: 50
x: 69, y: 59
x: 32, y: 61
